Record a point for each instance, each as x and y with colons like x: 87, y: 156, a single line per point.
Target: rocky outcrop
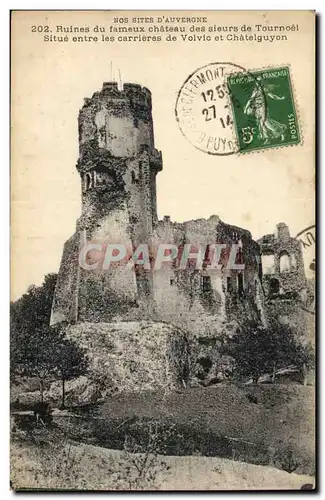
x: 133, y: 356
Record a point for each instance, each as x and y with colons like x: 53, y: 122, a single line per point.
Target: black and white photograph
x: 163, y: 267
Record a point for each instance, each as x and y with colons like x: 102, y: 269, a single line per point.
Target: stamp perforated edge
x: 296, y: 107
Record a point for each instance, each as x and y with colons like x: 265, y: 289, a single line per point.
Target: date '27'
x: 210, y: 112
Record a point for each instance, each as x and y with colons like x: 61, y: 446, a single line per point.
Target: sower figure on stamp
x: 256, y: 106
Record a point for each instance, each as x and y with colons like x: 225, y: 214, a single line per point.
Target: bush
x: 257, y: 350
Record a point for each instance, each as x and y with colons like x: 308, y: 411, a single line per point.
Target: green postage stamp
x: 263, y: 109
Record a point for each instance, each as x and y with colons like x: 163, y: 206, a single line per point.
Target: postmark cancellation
x: 223, y: 109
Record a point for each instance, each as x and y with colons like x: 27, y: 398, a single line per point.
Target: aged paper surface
x: 163, y: 250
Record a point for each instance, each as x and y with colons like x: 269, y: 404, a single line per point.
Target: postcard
x: 162, y: 250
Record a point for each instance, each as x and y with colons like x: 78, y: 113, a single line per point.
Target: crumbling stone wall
x: 65, y: 301
x: 284, y: 281
x: 287, y: 275
x: 192, y: 295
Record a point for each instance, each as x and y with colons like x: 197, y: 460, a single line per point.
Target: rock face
x: 134, y: 356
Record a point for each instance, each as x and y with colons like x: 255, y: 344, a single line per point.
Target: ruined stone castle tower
x: 135, y: 320
x: 116, y: 141
x: 118, y: 164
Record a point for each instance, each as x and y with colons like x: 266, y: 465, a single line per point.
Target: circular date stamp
x: 204, y: 108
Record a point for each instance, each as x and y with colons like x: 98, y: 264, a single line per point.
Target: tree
x: 29, y: 315
x: 257, y: 350
x: 36, y: 349
x: 71, y: 362
x: 33, y: 308
x: 48, y: 352
x: 37, y: 356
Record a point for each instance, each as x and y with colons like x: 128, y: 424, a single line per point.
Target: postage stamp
x: 223, y: 109
x: 263, y: 109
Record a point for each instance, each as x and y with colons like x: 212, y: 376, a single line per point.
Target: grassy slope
x: 283, y: 416
x: 93, y: 469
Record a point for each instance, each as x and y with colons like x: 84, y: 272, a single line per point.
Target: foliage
x: 60, y: 464
x: 49, y: 353
x: 43, y: 413
x: 38, y: 350
x: 30, y: 313
x: 71, y: 362
x: 257, y: 350
x: 37, y: 355
x: 140, y: 463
